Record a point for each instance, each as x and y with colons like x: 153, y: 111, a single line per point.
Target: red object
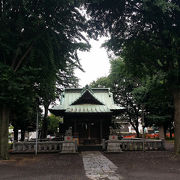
x: 150, y: 136
x: 113, y: 137
x: 130, y: 136
x: 68, y: 138
x: 168, y: 134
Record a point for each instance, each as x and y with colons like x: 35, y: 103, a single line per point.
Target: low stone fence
x: 29, y: 147
x: 137, y: 144
x: 71, y: 147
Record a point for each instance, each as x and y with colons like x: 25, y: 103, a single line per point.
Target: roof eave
x: 87, y: 113
x: 57, y: 112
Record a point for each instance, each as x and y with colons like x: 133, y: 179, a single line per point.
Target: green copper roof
x: 85, y: 108
x: 86, y: 100
x: 86, y: 97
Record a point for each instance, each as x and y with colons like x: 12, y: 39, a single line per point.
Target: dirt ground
x: 154, y: 165
x: 160, y: 165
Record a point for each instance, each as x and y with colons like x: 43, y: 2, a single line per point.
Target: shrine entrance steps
x: 90, y: 147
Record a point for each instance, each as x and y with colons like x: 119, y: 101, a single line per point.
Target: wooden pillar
x: 100, y: 130
x: 75, y: 127
x: 89, y: 130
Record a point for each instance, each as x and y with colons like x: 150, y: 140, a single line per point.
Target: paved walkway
x: 98, y: 167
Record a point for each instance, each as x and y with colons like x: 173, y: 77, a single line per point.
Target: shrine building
x: 89, y: 111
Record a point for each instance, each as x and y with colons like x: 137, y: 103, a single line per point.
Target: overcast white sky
x: 95, y: 63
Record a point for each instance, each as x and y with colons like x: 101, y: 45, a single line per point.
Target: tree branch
x: 23, y: 57
x: 14, y: 59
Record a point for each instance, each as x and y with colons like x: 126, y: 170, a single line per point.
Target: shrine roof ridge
x: 80, y: 89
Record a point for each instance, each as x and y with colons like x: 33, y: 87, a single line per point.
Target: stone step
x: 90, y: 148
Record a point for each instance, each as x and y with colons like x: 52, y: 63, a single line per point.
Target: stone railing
x: 63, y: 146
x: 29, y: 147
x: 137, y: 144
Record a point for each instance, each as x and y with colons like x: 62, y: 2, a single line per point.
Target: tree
x: 158, y: 104
x: 66, y: 78
x: 36, y: 35
x: 23, y: 117
x: 16, y: 89
x: 147, y: 33
x: 122, y: 84
x: 49, y: 92
x: 53, y: 124
x: 139, y: 93
x: 101, y: 82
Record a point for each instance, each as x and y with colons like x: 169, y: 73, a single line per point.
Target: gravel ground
x: 161, y: 165
x: 155, y: 165
x: 43, y: 167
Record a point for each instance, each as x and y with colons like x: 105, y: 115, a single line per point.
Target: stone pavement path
x: 98, y: 167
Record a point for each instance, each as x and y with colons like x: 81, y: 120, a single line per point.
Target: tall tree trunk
x: 177, y: 121
x: 4, y: 125
x: 161, y: 132
x: 170, y: 132
x: 0, y: 131
x: 165, y: 131
x: 137, y: 128
x: 44, y: 125
x: 22, y: 134
x: 15, y: 133
x: 137, y: 132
